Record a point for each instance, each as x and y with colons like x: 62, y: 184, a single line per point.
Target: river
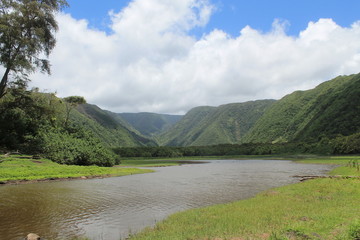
x: 112, y: 208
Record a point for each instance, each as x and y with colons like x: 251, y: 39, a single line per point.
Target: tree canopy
x: 27, y: 29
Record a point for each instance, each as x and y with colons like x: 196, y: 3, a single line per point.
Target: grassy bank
x: 18, y: 168
x: 314, y: 209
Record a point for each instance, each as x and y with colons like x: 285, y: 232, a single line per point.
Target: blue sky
x: 168, y: 56
x: 232, y: 15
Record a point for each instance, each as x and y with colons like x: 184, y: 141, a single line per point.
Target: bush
x: 76, y: 148
x: 36, y: 123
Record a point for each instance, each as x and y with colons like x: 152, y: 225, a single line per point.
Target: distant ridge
x: 330, y: 109
x: 215, y: 125
x: 327, y: 111
x: 150, y: 124
x: 109, y: 128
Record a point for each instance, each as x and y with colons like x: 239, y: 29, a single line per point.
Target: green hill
x: 37, y: 122
x: 330, y: 109
x: 108, y: 127
x: 150, y: 124
x: 215, y: 125
x: 181, y: 133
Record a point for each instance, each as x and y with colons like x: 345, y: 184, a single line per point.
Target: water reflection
x: 114, y: 207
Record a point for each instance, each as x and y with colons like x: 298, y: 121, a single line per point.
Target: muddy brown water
x: 113, y: 208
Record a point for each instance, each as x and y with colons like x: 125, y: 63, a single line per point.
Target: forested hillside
x: 330, y: 109
x: 180, y: 132
x: 39, y: 123
x: 64, y: 130
x: 109, y: 127
x: 215, y: 125
x: 325, y: 119
x: 150, y: 124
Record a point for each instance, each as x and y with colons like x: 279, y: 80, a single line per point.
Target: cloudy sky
x: 168, y: 56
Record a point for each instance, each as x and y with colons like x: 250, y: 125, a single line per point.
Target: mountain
x: 327, y: 111
x: 109, y: 127
x: 181, y: 133
x: 215, y: 125
x: 330, y: 109
x: 150, y: 124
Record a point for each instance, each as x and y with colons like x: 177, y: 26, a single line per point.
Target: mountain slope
x: 108, y: 128
x: 331, y: 108
x: 215, y: 125
x: 180, y: 134
x: 150, y: 124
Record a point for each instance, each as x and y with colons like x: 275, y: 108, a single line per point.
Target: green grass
x: 314, y: 209
x: 342, y: 161
x: 24, y: 168
x: 337, y: 160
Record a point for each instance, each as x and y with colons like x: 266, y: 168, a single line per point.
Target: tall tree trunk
x: 4, y: 82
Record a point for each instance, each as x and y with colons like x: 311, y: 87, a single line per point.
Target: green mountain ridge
x: 330, y: 109
x: 328, y: 113
x: 108, y: 127
x: 150, y: 124
x: 227, y: 123
x: 182, y: 130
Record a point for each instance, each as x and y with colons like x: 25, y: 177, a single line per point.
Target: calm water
x: 114, y: 207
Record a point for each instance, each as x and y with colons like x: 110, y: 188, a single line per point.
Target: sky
x: 168, y: 56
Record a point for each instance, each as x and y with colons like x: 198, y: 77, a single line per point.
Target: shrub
x: 76, y: 147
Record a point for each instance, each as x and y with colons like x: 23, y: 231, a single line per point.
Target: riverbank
x: 314, y: 209
x: 22, y: 169
x: 226, y: 222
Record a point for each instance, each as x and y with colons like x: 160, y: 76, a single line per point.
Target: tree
x: 27, y: 29
x: 24, y: 112
x: 72, y: 102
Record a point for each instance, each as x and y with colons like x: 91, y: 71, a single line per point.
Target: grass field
x: 344, y: 163
x: 314, y: 209
x: 18, y: 167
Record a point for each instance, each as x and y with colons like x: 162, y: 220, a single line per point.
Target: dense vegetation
x: 215, y: 125
x: 324, y: 120
x: 328, y: 110
x: 36, y: 123
x: 339, y: 145
x: 110, y: 128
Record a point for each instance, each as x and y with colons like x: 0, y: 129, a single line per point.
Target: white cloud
x: 151, y: 63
